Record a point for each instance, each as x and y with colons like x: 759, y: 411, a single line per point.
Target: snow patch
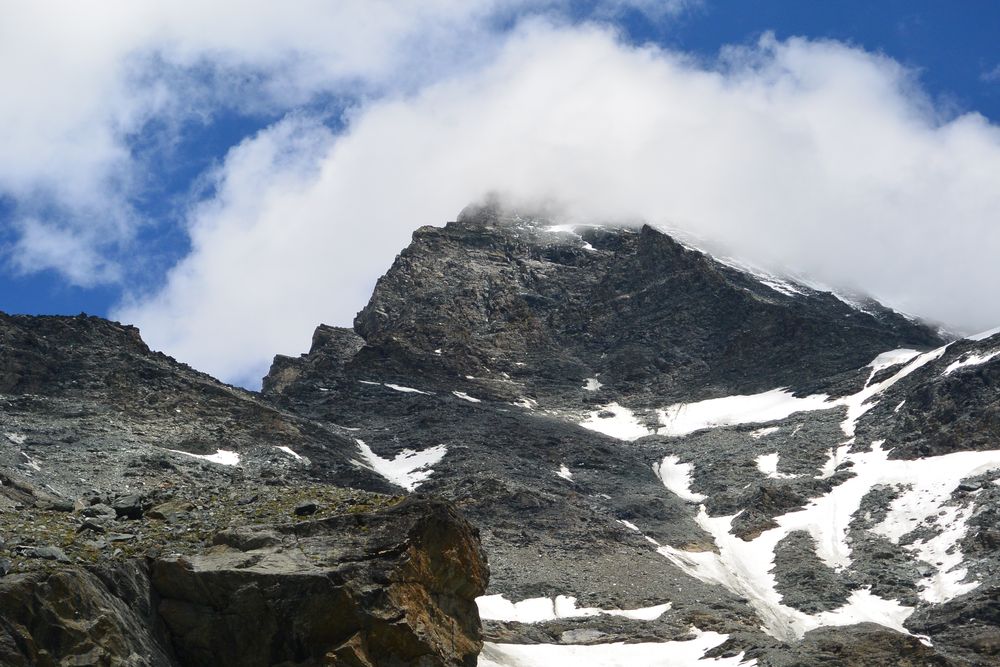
x: 540, y: 610
x: 222, y: 456
x: 526, y: 403
x: 676, y: 476
x: 592, y: 384
x: 684, y: 418
x: 892, y: 358
x: 407, y: 390
x: 17, y: 438
x: 30, y: 462
x: 970, y: 360
x: 762, y: 432
x: 409, y: 469
x: 836, y: 456
x: 616, y: 421
x: 396, y: 387
x: 465, y: 397
x: 564, y: 472
x: 768, y: 464
x: 288, y: 450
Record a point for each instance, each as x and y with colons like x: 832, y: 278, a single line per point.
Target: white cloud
x: 80, y: 80
x: 811, y: 155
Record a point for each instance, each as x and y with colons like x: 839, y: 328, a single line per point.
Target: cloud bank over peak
x: 85, y: 84
x: 810, y: 156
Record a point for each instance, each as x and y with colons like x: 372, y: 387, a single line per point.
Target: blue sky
x: 139, y: 173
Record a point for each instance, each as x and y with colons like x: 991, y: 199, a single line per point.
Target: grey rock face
x: 391, y: 586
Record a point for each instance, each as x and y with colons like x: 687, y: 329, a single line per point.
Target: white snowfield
x: 923, y: 502
x: 925, y: 487
x: 688, y: 653
x: 684, y: 418
x: 592, y: 384
x: 565, y: 473
x: 408, y: 469
x: 540, y: 610
x: 222, y: 456
x: 622, y: 423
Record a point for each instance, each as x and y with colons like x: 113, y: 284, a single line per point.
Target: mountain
x: 668, y: 460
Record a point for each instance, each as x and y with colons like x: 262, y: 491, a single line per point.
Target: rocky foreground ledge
x: 351, y: 579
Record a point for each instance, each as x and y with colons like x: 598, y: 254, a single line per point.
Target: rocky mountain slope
x: 636, y: 426
x: 152, y: 517
x: 669, y: 461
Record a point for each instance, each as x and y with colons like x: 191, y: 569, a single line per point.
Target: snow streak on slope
x: 684, y: 418
x: 984, y: 334
x: 676, y: 476
x: 926, y: 486
x: 222, y: 456
x: 408, y: 469
x: 666, y: 654
x: 970, y: 360
x: 540, y: 610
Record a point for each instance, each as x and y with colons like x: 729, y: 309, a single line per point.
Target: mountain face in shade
x: 665, y: 459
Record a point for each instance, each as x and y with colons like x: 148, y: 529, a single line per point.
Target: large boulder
x: 393, y: 586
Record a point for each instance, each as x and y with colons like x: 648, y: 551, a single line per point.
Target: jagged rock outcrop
x: 396, y: 586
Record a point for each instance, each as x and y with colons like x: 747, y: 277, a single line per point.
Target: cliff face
x: 390, y: 586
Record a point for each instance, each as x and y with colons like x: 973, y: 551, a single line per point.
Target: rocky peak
x: 501, y: 294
